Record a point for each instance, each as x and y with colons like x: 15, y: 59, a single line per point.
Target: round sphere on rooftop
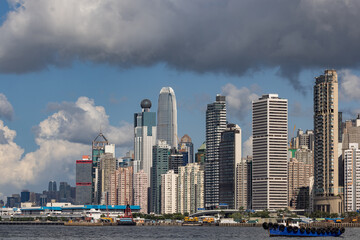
x: 146, y: 103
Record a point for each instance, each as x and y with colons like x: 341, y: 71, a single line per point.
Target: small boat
x: 289, y: 229
x: 127, y: 219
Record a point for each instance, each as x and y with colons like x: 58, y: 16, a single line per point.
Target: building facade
x: 141, y: 191
x: 215, y: 125
x: 186, y: 147
x: 201, y: 154
x: 84, y: 181
x: 190, y: 188
x: 176, y: 160
x: 299, y: 174
x: 229, y: 158
x: 144, y: 138
x: 167, y: 117
x: 326, y: 165
x: 269, y: 164
x: 242, y: 190
x: 125, y: 187
x: 169, y: 185
x: 98, y: 148
x: 352, y: 178
x: 107, y: 167
x: 161, y: 154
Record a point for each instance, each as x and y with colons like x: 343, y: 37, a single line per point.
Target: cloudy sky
x: 69, y: 68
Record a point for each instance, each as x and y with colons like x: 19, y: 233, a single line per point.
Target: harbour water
x: 143, y: 232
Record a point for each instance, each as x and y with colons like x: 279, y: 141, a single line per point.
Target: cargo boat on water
x: 288, y: 229
x: 127, y: 219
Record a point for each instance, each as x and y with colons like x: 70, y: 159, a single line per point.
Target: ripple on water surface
x: 139, y: 232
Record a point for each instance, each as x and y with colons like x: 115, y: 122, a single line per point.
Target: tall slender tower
x: 326, y: 169
x: 98, y: 148
x: 215, y: 125
x: 144, y: 138
x: 269, y: 165
x: 167, y: 117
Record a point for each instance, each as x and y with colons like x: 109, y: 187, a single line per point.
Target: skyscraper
x: 25, y: 196
x: 326, y: 167
x: 167, y: 117
x: 269, y: 165
x: 145, y: 138
x: 230, y: 158
x: 107, y: 167
x: 121, y: 186
x: 52, y: 191
x: 190, y: 188
x: 352, y: 178
x: 215, y: 125
x: 52, y: 186
x: 169, y: 186
x: 299, y: 174
x: 98, y: 148
x: 186, y: 147
x: 84, y: 181
x: 161, y: 153
x: 141, y: 190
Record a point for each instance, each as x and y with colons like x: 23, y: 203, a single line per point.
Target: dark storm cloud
x: 227, y: 36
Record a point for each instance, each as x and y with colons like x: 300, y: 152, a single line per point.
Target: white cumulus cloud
x: 239, y: 101
x: 61, y: 138
x: 80, y: 122
x: 6, y: 109
x: 349, y: 85
x: 247, y: 147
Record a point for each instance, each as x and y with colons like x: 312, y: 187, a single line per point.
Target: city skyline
x: 52, y: 110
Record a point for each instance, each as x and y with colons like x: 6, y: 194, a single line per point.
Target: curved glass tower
x: 167, y: 117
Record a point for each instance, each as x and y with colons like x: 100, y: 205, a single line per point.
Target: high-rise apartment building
x: 125, y: 187
x: 141, y: 190
x: 169, y: 185
x: 269, y: 165
x: 242, y: 186
x: 145, y: 138
x: 186, y: 147
x: 352, y: 178
x: 305, y: 155
x: 107, y: 167
x: 167, y: 117
x: 229, y: 158
x: 303, y: 140
x: 215, y: 125
x: 351, y: 134
x: 190, y: 188
x: 121, y: 187
x: 161, y: 153
x: 299, y: 174
x: 326, y: 167
x: 84, y: 181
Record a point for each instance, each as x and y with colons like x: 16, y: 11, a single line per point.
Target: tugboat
x: 290, y: 229
x: 127, y: 219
